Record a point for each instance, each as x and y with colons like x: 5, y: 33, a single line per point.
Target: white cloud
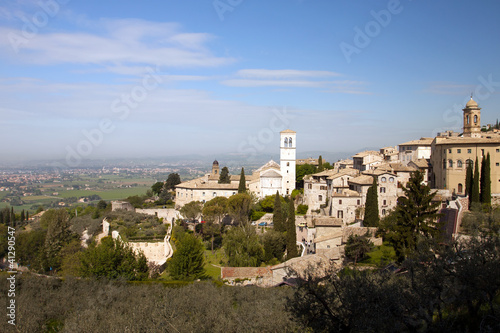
x: 118, y: 44
x: 283, y: 73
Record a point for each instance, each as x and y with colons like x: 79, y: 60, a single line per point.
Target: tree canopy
x: 371, y: 206
x: 188, y: 261
x: 192, y: 210
x: 172, y: 180
x: 224, y: 177
x: 242, y: 187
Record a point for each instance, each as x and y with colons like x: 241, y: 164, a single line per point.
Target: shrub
x: 302, y: 209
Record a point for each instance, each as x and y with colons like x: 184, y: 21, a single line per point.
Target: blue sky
x: 92, y: 79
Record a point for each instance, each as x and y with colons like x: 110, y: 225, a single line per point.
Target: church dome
x: 471, y: 104
x: 215, y: 163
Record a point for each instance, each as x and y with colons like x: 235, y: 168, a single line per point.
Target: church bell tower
x: 472, y: 119
x: 288, y: 160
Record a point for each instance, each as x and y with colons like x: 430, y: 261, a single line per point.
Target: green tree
x: 469, y: 179
x: 215, y: 209
x: 357, y: 247
x: 475, y: 185
x: 58, y: 235
x: 102, y: 205
x: 301, y: 171
x: 242, y: 187
x: 278, y: 217
x: 113, y: 259
x: 157, y: 187
x: 320, y: 164
x: 239, y: 207
x: 23, y: 217
x: 486, y: 181
x: 274, y: 243
x: 291, y: 232
x: 224, y: 177
x: 192, y: 210
x: 242, y: 247
x: 371, y: 207
x: 172, y: 180
x: 416, y: 217
x: 187, y: 262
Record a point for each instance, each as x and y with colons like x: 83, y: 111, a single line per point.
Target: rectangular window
x: 449, y: 151
x: 340, y: 214
x: 309, y: 186
x: 359, y: 202
x: 498, y: 150
x: 497, y: 164
x: 382, y: 190
x: 459, y: 151
x: 203, y: 194
x: 340, y: 202
x: 469, y: 151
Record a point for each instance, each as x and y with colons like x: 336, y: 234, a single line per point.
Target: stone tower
x: 215, y: 168
x: 287, y: 160
x: 472, y: 119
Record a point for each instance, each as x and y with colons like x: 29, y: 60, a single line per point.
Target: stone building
x: 266, y: 180
x: 451, y: 155
x: 414, y: 150
x: 367, y: 160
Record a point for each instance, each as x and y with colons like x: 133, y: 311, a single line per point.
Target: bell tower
x: 472, y: 119
x: 288, y: 160
x: 215, y: 168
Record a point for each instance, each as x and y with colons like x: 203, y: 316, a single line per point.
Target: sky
x: 106, y: 79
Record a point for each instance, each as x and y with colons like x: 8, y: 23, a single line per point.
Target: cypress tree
x: 12, y: 216
x: 468, y: 182
x: 278, y: 218
x: 242, y: 187
x: 482, y: 180
x: 371, y: 207
x: 224, y: 177
x: 27, y: 215
x: 486, y: 181
x: 475, y: 184
x: 291, y: 232
x: 320, y: 163
x: 22, y: 216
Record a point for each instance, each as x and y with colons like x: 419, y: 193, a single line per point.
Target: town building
x: 267, y: 180
x: 451, y: 155
x: 414, y: 150
x: 367, y: 160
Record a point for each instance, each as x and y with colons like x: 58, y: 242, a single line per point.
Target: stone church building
x: 266, y: 180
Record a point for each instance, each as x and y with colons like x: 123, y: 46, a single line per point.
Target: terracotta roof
x: 244, y: 272
x: 346, y: 193
x: 344, y: 172
x: 327, y: 222
x: 362, y: 180
x: 200, y: 183
x: 465, y: 140
x: 421, y: 163
x: 420, y: 142
x: 288, y: 131
x: 366, y: 153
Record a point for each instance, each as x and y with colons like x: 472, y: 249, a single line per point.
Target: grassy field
x: 380, y: 256
x: 213, y: 262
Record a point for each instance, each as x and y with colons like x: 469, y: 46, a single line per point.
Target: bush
x: 302, y: 209
x: 257, y: 215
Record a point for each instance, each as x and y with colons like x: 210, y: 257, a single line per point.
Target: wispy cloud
x: 118, y: 45
x: 449, y: 88
x: 291, y: 78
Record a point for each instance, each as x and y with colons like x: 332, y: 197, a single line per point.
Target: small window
x: 358, y: 202
x: 498, y: 150
x: 469, y: 162
x: 320, y: 197
x: 383, y: 212
x: 340, y: 214
x: 391, y: 179
x: 450, y: 163
x: 460, y: 188
x: 459, y: 164
x: 497, y: 164
x: 215, y: 194
x: 449, y: 151
x: 203, y: 194
x: 383, y: 179
x: 469, y: 151
x: 467, y: 119
x: 287, y: 163
x: 459, y: 151
x: 475, y: 119
x: 287, y: 191
x: 382, y: 190
x: 340, y: 202
x: 234, y: 193
x: 309, y: 186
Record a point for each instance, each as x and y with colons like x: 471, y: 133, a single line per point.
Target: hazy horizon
x: 93, y: 80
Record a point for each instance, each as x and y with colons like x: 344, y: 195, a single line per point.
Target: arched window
x: 289, y: 142
x: 475, y: 119
x: 469, y: 162
x: 320, y: 197
x: 383, y: 179
x: 287, y: 163
x: 460, y: 188
x: 468, y: 119
x: 459, y: 164
x: 286, y: 142
x: 391, y: 179
x: 383, y: 211
x: 450, y: 163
